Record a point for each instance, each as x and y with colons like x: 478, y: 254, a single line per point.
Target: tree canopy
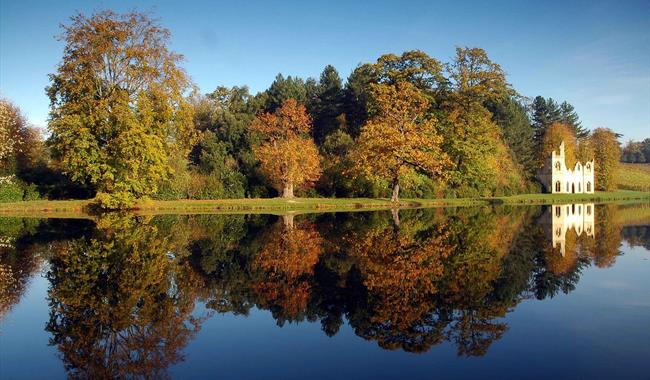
x: 288, y: 157
x: 400, y: 136
x: 118, y: 111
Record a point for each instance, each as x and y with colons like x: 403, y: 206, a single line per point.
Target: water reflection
x: 576, y: 217
x: 121, y: 300
x: 122, y: 292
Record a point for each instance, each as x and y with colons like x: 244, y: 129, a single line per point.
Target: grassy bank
x: 633, y: 177
x: 278, y: 205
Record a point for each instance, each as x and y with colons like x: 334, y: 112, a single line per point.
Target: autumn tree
x: 288, y: 156
x: 10, y: 139
x: 555, y: 134
x: 118, y: 113
x: 414, y: 66
x: 21, y: 145
x: 636, y: 151
x: 607, y: 154
x: 400, y: 137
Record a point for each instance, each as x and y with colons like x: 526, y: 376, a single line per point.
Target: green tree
x: 569, y: 116
x: 415, y: 67
x: 118, y: 111
x: 545, y: 112
x: 471, y: 138
x: 357, y: 98
x: 328, y: 105
x: 225, y: 117
x: 511, y: 117
x: 217, y: 162
x: 283, y: 89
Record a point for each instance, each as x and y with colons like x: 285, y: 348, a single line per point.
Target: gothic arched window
x: 588, y: 186
x: 557, y: 165
x: 558, y: 211
x: 557, y: 186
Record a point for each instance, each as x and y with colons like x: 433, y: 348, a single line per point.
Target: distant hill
x: 633, y: 177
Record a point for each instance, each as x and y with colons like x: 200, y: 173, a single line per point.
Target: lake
x: 558, y: 291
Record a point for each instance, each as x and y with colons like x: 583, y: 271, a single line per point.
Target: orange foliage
x: 290, y: 120
x: 402, y: 272
x: 287, y: 260
x: 287, y: 158
x: 401, y: 136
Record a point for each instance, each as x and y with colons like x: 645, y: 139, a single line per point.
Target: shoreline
x: 78, y: 208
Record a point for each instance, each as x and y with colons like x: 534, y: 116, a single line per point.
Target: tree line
x: 127, y: 122
x: 636, y: 152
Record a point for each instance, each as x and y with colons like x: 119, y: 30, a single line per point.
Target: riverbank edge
x: 72, y: 208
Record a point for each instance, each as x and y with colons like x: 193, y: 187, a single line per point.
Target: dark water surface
x: 511, y: 293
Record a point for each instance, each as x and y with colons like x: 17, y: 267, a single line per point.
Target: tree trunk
x: 395, y: 213
x: 287, y: 192
x: 395, y: 197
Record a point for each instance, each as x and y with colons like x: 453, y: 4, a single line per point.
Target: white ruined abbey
x: 557, y: 178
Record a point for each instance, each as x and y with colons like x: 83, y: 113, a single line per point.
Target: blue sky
x: 594, y: 54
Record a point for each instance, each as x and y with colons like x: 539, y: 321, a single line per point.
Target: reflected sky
x: 458, y: 293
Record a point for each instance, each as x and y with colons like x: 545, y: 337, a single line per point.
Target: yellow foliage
x: 555, y: 134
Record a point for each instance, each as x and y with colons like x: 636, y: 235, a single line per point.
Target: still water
x: 506, y: 292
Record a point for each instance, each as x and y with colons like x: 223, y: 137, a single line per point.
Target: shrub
x: 15, y: 190
x: 10, y: 191
x: 114, y: 201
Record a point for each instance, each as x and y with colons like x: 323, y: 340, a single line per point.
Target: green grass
x: 278, y: 206
x: 597, y: 197
x: 633, y: 177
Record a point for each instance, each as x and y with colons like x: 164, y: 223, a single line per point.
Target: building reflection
x: 570, y: 217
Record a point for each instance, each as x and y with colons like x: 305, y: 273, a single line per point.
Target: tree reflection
x: 15, y: 269
x: 120, y: 301
x: 407, y: 282
x: 286, y: 261
x: 122, y: 293
x: 401, y: 266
